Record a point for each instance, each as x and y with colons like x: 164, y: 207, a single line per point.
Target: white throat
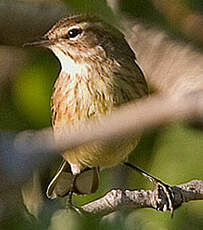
x: 68, y: 65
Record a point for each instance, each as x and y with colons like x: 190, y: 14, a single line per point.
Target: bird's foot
x: 164, y: 194
x: 164, y: 197
x: 70, y: 206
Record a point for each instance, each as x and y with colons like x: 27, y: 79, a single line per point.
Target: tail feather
x: 64, y: 181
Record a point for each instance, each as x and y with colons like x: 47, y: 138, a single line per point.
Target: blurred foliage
x: 31, y: 90
x: 95, y: 7
x: 90, y: 6
x: 173, y: 154
x: 195, y: 4
x: 143, y: 10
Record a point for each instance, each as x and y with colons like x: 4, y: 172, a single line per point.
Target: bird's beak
x: 41, y: 43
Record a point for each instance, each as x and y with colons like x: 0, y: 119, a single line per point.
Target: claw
x: 168, y: 205
x: 161, y: 188
x: 70, y: 206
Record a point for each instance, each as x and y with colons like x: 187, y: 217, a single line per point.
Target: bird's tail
x: 64, y: 182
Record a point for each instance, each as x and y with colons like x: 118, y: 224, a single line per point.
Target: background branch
x: 171, y: 67
x: 28, y: 21
x: 180, y: 15
x: 24, y: 151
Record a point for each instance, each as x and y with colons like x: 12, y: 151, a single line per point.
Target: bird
x: 99, y: 73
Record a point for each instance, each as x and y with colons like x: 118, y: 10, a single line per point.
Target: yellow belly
x: 100, y: 154
x: 76, y: 100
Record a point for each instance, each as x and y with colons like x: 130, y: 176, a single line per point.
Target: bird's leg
x: 161, y: 187
x: 69, y: 204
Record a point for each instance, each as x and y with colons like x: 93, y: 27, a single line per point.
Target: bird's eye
x: 74, y: 32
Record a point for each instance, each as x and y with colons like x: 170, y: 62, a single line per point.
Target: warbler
x: 99, y: 72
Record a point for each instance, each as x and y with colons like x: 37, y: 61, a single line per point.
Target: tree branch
x: 117, y: 199
x: 24, y: 151
x: 27, y: 21
x: 180, y: 15
x: 171, y: 67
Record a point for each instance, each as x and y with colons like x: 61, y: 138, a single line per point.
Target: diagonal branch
x: 29, y: 149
